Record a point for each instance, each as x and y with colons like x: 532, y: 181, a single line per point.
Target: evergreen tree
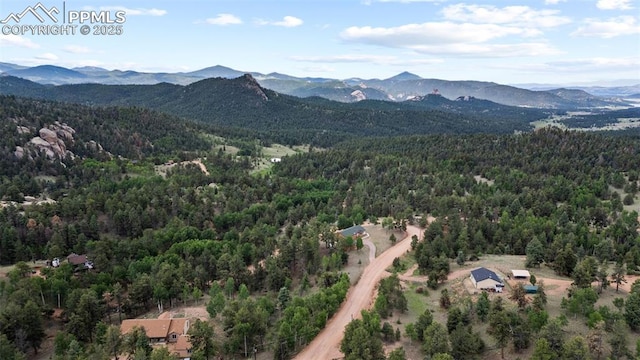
x: 535, y: 253
x: 483, y: 306
x: 576, y: 349
x: 436, y: 340
x: 542, y: 351
x: 201, y: 337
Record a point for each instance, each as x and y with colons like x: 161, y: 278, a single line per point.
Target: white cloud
x: 365, y: 58
x: 597, y: 64
x: 317, y: 69
x: 287, y: 21
x: 514, y: 15
x: 47, y: 57
x: 614, y: 4
x: 553, y: 2
x: 135, y: 12
x: 369, y: 2
x: 619, y: 26
x: 224, y: 19
x: 77, y: 49
x: 410, y: 1
x: 432, y: 33
x: 489, y: 50
x: 19, y: 41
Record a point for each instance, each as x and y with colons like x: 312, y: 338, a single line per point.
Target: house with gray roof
x: 485, y: 279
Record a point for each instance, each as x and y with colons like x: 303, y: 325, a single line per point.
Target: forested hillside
x: 263, y: 245
x: 242, y: 104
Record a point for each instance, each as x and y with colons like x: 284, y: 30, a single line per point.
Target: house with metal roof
x: 354, y: 231
x: 485, y: 279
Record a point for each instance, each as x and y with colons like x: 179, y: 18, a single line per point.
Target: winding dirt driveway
x: 327, y: 344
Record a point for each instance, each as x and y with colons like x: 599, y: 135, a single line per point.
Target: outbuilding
x: 520, y: 274
x: 531, y: 289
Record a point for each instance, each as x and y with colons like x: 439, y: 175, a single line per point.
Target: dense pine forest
x: 261, y: 247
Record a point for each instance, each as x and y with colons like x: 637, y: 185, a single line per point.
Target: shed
x: 520, y: 274
x: 483, y: 278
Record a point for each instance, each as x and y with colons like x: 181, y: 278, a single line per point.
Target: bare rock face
x: 94, y: 146
x: 358, y: 95
x: 48, y: 135
x: 39, y: 142
x: 64, y: 131
x: 252, y: 83
x: 52, y: 141
x: 19, y: 153
x: 23, y: 130
x: 56, y: 145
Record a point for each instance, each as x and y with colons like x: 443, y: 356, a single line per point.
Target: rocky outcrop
x: 252, y: 83
x: 94, y: 146
x: 19, y: 153
x: 358, y: 95
x: 23, y: 130
x: 54, y: 141
x: 64, y: 131
x: 51, y: 140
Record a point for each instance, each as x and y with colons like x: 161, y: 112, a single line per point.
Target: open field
x: 263, y: 164
x: 278, y: 151
x: 557, y: 121
x: 358, y: 261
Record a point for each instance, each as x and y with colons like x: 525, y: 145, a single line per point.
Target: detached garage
x: 520, y: 274
x: 485, y: 279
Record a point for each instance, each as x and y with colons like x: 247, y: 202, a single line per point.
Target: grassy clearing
x: 633, y: 207
x: 277, y: 150
x: 263, y: 165
x: 417, y: 303
x: 4, y: 270
x: 380, y: 237
x: 358, y: 260
x: 406, y: 262
x: 227, y: 149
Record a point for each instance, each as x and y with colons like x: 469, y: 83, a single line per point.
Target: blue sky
x: 510, y: 42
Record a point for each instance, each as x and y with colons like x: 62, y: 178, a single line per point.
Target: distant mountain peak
x: 405, y: 75
x: 89, y: 68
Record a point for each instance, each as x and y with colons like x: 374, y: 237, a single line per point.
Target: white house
x: 485, y: 279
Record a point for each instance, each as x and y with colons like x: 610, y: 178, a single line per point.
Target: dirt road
x: 327, y: 344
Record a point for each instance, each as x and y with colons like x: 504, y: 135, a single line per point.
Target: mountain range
x: 404, y: 86
x: 243, y: 106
